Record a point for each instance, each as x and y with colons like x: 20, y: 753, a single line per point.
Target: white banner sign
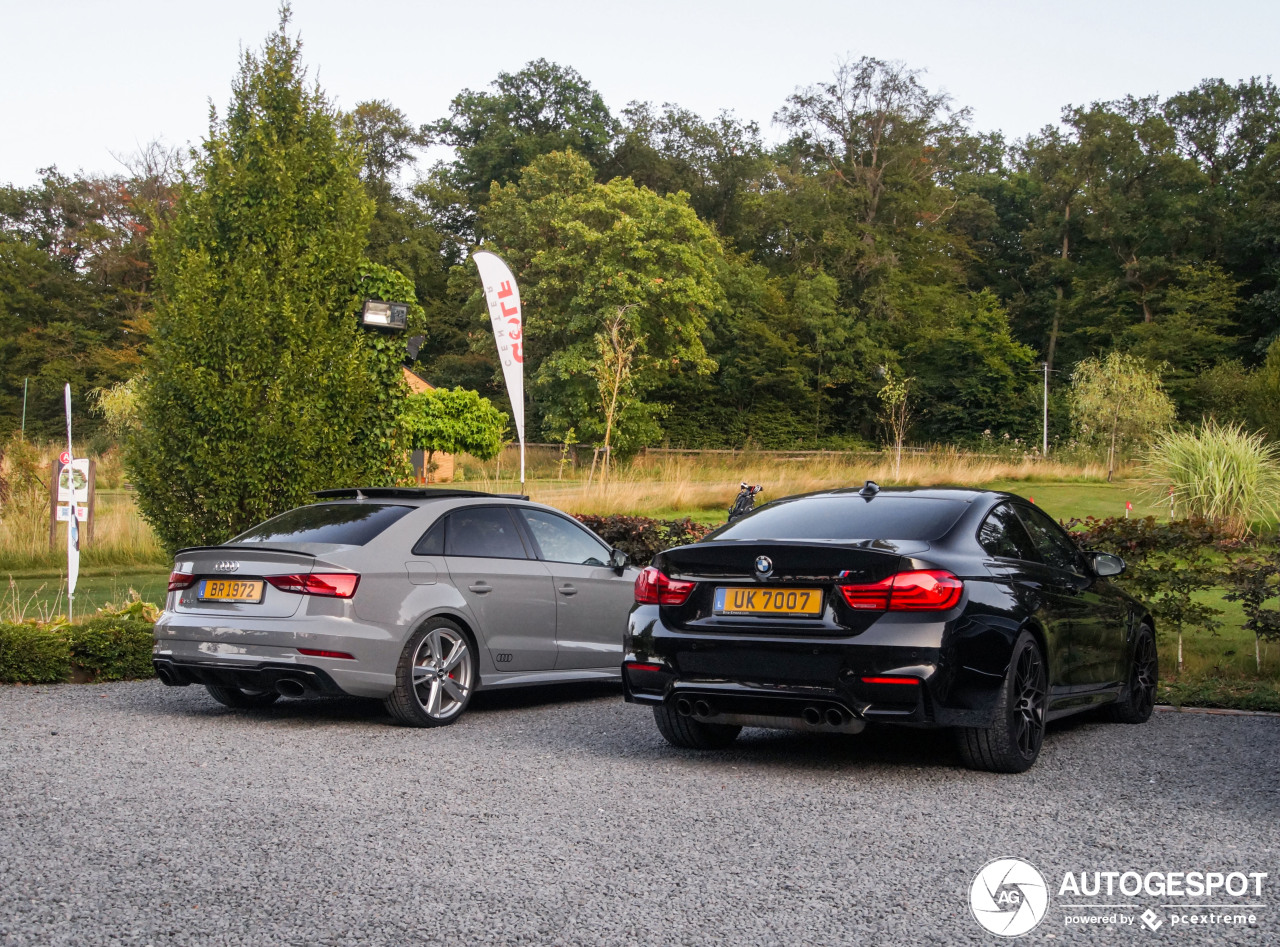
x: 73, y: 527
x: 76, y: 474
x: 503, y: 297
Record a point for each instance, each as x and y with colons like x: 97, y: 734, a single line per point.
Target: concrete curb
x: 1221, y: 711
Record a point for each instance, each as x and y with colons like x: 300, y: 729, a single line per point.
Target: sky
x: 83, y: 84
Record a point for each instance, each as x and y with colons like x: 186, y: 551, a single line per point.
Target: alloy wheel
x: 443, y: 671
x: 1029, y: 702
x: 1145, y: 670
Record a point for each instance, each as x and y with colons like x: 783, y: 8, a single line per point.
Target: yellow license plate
x: 800, y: 603
x: 231, y: 590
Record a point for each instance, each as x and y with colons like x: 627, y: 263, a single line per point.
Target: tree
x: 542, y: 108
x: 1118, y: 400
x: 75, y: 283
x: 453, y: 421
x: 583, y: 253
x: 616, y: 344
x: 260, y: 387
x: 895, y: 397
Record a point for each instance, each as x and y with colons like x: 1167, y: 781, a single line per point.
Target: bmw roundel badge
x: 764, y: 565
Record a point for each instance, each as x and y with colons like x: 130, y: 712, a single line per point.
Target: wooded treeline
x: 738, y: 292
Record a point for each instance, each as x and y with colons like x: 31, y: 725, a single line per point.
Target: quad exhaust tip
x: 701, y: 708
x: 811, y: 715
x: 684, y: 708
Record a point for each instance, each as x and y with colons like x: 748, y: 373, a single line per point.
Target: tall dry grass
x: 120, y: 536
x: 677, y: 481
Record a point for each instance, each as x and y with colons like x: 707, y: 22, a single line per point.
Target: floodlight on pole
x: 384, y: 315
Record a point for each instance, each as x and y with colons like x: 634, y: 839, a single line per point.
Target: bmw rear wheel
x: 691, y: 734
x: 1139, y: 699
x: 1013, y: 741
x: 435, y: 677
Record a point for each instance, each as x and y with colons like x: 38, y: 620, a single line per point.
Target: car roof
x: 409, y: 493
x: 964, y: 494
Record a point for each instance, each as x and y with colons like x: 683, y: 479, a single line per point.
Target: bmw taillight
x: 654, y: 588
x: 924, y: 590
x: 181, y: 580
x: 327, y: 584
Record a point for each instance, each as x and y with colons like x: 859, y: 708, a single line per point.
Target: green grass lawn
x: 36, y: 596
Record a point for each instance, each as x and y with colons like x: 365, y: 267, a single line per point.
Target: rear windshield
x: 347, y: 524
x: 848, y: 518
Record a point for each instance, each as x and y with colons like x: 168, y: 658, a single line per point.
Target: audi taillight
x: 654, y: 588
x: 327, y: 584
x: 924, y: 590
x: 181, y: 580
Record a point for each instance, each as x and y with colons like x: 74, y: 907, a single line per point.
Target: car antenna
x: 359, y: 496
x: 869, y: 489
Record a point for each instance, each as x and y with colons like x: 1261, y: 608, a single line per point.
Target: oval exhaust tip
x: 811, y: 716
x: 702, y: 709
x: 834, y: 717
x: 683, y: 707
x: 288, y: 687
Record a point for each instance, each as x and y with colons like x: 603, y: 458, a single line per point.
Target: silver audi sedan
x: 419, y: 597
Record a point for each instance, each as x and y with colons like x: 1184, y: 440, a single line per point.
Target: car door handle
x: 568, y: 589
x: 481, y: 587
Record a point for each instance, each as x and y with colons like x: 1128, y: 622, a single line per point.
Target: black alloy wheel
x: 690, y: 734
x: 1012, y: 743
x: 1139, y: 699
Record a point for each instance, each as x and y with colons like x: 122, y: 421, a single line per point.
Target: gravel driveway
x: 139, y: 814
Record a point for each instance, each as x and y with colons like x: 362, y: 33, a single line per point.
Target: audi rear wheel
x: 241, y: 698
x: 436, y: 676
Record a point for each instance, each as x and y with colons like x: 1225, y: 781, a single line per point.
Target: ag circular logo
x: 764, y: 565
x: 1008, y: 897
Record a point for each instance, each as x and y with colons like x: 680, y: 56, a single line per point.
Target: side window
x: 1002, y: 534
x: 486, y: 532
x: 432, y: 541
x: 562, y: 540
x: 1054, y: 547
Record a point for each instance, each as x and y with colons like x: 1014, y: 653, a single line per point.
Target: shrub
x: 31, y: 653
x: 113, y: 647
x: 1139, y: 537
x: 642, y: 537
x: 1220, y: 473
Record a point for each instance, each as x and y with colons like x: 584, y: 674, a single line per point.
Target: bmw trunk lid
x: 721, y: 568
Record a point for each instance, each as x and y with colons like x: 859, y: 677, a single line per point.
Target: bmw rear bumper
x: 903, y: 671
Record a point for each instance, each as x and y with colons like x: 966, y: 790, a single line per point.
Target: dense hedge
x: 33, y: 654
x: 113, y: 647
x: 642, y: 537
x: 105, y: 648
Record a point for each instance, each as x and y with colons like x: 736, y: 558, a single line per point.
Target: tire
x: 1012, y: 743
x: 690, y: 734
x: 1139, y: 698
x: 435, y: 677
x: 239, y: 698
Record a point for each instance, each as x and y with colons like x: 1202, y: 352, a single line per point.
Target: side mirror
x: 1104, y: 564
x: 619, y: 560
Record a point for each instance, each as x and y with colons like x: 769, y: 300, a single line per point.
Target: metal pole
x: 23, y: 436
x: 1045, y: 451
